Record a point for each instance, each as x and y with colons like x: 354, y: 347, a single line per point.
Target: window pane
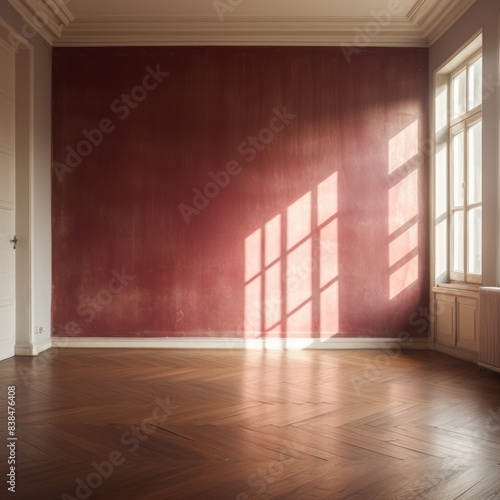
x: 458, y: 170
x: 475, y: 83
x: 458, y: 241
x: 474, y: 170
x: 459, y: 98
x: 475, y: 241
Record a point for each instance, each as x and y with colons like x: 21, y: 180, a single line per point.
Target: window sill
x: 473, y: 287
x: 462, y: 289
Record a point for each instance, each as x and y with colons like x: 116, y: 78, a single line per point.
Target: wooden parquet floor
x: 239, y: 425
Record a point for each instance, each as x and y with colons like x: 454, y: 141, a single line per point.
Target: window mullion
x: 466, y: 190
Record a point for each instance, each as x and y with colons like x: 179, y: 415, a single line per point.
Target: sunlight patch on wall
x: 298, y: 221
x: 328, y: 278
x: 295, y: 290
x: 300, y: 320
x: 403, y: 245
x: 403, y: 202
x: 272, y: 251
x: 272, y: 303
x: 403, y: 147
x: 403, y: 277
x: 299, y: 276
x: 328, y: 203
x: 254, y: 301
x: 403, y: 211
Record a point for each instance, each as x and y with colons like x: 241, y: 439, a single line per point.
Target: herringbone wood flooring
x: 162, y: 424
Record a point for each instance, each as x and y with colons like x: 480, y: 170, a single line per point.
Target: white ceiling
x: 246, y: 8
x: 242, y: 22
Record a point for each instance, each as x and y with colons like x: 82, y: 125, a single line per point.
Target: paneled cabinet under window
x: 456, y: 321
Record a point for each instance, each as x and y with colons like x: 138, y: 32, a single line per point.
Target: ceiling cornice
x: 48, y: 17
x: 240, y: 31
x: 435, y: 17
x: 424, y: 24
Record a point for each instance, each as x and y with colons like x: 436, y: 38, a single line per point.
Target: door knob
x: 15, y: 240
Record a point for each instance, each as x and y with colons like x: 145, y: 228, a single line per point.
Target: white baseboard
x: 27, y: 349
x: 238, y: 343
x: 24, y: 349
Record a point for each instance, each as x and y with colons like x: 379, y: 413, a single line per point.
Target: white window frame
x: 457, y: 125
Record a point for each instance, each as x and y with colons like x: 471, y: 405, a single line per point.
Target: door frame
x: 25, y: 344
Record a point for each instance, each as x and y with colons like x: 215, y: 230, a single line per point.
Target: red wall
x: 322, y: 225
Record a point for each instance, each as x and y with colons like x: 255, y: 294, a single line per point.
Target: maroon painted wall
x: 318, y: 226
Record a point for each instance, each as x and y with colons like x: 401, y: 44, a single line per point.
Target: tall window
x: 465, y: 171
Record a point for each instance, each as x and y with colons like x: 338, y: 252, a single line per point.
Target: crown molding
x: 48, y: 17
x: 435, y: 17
x: 359, y: 32
x: 424, y: 24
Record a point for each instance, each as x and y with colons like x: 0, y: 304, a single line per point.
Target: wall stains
x: 256, y: 192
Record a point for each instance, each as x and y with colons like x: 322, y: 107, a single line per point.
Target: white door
x: 7, y: 201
